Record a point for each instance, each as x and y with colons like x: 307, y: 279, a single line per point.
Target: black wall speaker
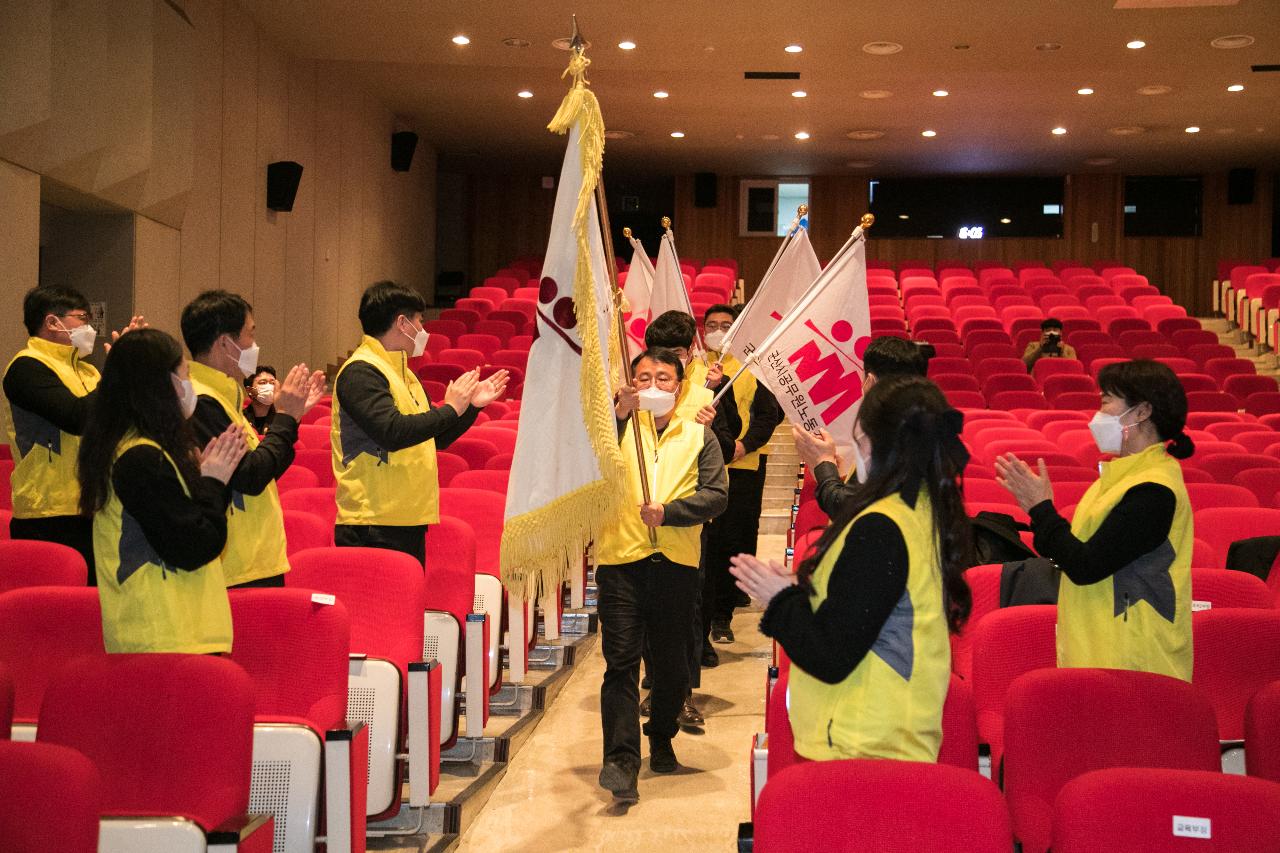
x: 1240, y: 186
x: 704, y: 189
x: 282, y: 184
x: 402, y: 144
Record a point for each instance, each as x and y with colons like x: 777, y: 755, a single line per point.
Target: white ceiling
x: 1005, y: 95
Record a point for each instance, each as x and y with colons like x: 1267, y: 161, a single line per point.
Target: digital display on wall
x: 970, y: 208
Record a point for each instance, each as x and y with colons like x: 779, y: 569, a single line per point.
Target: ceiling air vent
x: 771, y: 75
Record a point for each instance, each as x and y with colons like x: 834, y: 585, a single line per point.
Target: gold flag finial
x: 666, y: 222
x: 802, y: 210
x: 868, y: 219
x: 626, y: 232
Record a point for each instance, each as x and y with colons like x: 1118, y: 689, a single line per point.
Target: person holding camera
x: 1050, y: 344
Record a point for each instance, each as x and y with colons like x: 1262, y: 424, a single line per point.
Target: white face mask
x: 264, y: 394
x: 82, y: 338
x: 186, y: 395
x: 247, y: 361
x: 654, y: 399
x: 715, y: 340
x: 1108, y: 432
x: 861, y: 466
x: 419, y: 341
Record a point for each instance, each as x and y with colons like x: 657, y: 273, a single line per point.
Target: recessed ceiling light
x: 803, y: 134
x: 1049, y: 46
x: 515, y: 42
x: 959, y: 47
x: 864, y: 135
x: 929, y: 133
x: 1136, y: 44
x: 860, y: 164
x: 1127, y: 130
x: 1236, y: 87
x: 1059, y: 131
x: 524, y: 93
x: 1085, y: 91
x: 661, y: 93
x: 881, y: 48
x: 1193, y: 129
x: 903, y: 216
x: 799, y: 93
x: 793, y: 48
x: 1231, y: 42
x: 677, y: 134
x: 1005, y: 221
x: 626, y: 45
x: 940, y: 93
x: 1157, y: 89
x: 461, y: 40
x: 1100, y: 161
x: 875, y: 94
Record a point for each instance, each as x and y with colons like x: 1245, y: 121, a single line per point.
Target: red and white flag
x: 812, y: 360
x: 638, y: 292
x: 669, y: 292
x: 780, y: 289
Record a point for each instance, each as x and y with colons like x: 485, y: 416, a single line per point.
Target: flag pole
x: 675, y: 257
x: 602, y: 208
x: 777, y: 256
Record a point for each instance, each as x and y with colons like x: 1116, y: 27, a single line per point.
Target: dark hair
x: 40, y: 302
x: 383, y: 302
x: 209, y: 316
x: 1142, y: 381
x: 889, y: 356
x: 665, y: 355
x: 262, y: 368
x: 915, y: 449
x: 720, y: 308
x: 137, y: 395
x: 1050, y: 323
x: 670, y: 330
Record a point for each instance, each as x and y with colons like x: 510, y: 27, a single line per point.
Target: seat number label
x: 1191, y: 827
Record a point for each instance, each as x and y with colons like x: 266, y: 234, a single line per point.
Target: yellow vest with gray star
x: 255, y: 523
x: 744, y: 392
x: 44, y: 471
x: 146, y: 605
x: 376, y: 485
x: 890, y: 706
x: 671, y: 463
x: 1140, y: 617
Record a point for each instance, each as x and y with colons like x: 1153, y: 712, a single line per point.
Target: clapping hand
x: 291, y: 395
x: 137, y: 322
x: 1027, y: 487
x: 758, y: 579
x: 461, y: 390
x: 815, y: 449
x: 490, y: 389
x: 222, y: 454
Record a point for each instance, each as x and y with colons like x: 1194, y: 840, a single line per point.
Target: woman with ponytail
x: 1125, y: 598
x: 865, y: 621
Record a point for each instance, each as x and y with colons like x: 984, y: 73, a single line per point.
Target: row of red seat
x: 1247, y: 293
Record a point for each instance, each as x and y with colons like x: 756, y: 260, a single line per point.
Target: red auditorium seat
x: 1187, y: 338
x: 170, y: 774
x: 1165, y: 810
x: 1227, y: 588
x: 1062, y: 723
x: 467, y: 359
x: 1018, y: 400
x: 1059, y: 384
x: 1219, y: 494
x: 450, y: 596
x: 1237, y: 653
x: 1006, y: 644
x: 29, y: 562
x: 966, y: 399
x: 1199, y: 382
x: 1257, y: 440
x: 494, y: 294
x: 1263, y: 403
x: 474, y: 451
x: 486, y: 480
x: 486, y: 345
x: 1076, y: 400
x: 986, y: 367
x: 1047, y: 367
x: 451, y: 329
x: 464, y: 316
x: 320, y: 502
x: 1211, y: 401
x: 296, y: 477
x: 1241, y: 385
x: 1222, y: 368
x: 1223, y: 467
x: 1261, y: 733
x: 984, y: 587
x: 449, y: 465
x: 885, y: 806
x: 950, y: 382
x: 481, y: 307
x: 1172, y: 325
x: 303, y: 530
x: 1219, y: 527
x: 519, y: 320
x: 50, y: 799
x: 318, y: 461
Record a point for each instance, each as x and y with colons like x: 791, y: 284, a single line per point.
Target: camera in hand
x: 1052, y: 344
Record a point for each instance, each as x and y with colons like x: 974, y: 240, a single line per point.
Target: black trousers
x: 648, y: 600
x: 696, y: 635
x: 733, y: 532
x: 407, y: 539
x: 74, y: 531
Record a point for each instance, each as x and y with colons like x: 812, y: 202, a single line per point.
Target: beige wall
x: 19, y: 250
x: 121, y: 100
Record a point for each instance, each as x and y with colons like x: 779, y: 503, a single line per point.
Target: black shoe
x: 690, y: 716
x: 646, y: 683
x: 662, y: 758
x: 741, y: 599
x: 620, y: 780
x: 646, y: 704
x: 709, y: 656
x: 721, y: 633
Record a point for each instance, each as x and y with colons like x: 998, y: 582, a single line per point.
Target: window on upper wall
x: 767, y: 207
x: 967, y: 208
x: 1162, y: 206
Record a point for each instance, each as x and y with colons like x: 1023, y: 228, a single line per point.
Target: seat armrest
x: 424, y: 729
x: 243, y: 834
x: 346, y: 763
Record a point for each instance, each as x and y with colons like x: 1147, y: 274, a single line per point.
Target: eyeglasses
x: 718, y: 327
x: 77, y: 315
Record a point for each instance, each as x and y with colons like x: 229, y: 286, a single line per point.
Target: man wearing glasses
x: 50, y: 388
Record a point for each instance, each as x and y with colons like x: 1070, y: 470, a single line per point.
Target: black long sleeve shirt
x: 763, y: 418
x: 185, y: 531
x: 1137, y: 525
x: 832, y: 490
x: 259, y: 467
x: 31, y: 385
x: 866, y: 583
x: 364, y: 394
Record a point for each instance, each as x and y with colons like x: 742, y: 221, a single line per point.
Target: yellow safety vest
x: 44, y: 472
x: 744, y: 392
x: 255, y: 523
x: 376, y: 485
x: 693, y: 397
x: 890, y: 706
x: 1140, y: 617
x: 672, y: 467
x: 147, y: 606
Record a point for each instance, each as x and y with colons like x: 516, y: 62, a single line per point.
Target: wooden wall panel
x: 325, y: 343
x: 239, y: 154
x: 19, y: 248
x: 298, y: 307
x: 269, y: 226
x: 157, y: 262
x: 201, y: 227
